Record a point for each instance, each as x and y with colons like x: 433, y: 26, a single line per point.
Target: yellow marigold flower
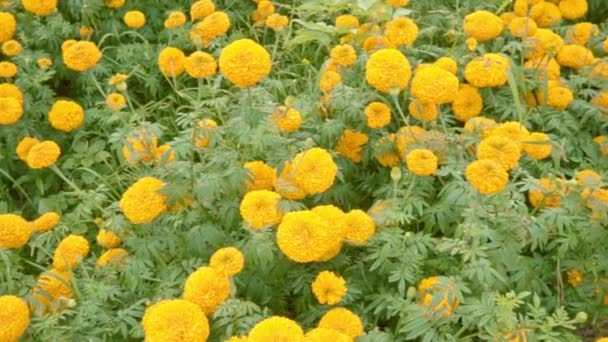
x: 214, y: 25
x: 344, y: 321
x: 11, y: 48
x: 543, y: 42
x: 201, y: 9
x: 44, y: 63
x: 175, y: 320
x: 479, y: 126
x: 304, y: 236
x: 118, y: 79
x: 260, y: 176
x: 407, y: 136
x: 401, y: 31
x: 601, y: 100
x: 40, y: 7
x: 142, y: 202
x: 574, y: 56
x: 373, y: 43
x: 501, y: 150
x: 277, y: 21
x: 422, y: 162
x: 545, y: 14
x: 9, y: 26
x: 360, y: 227
x: 487, y: 176
x: 378, y: 115
x: 350, y: 145
x: 398, y: 3
x: 447, y: 64
x: 337, y: 220
x: 581, y: 33
x: 142, y: 146
x: 85, y: 31
x: 588, y: 178
x: 207, y: 288
x: 522, y: 7
x: 176, y: 19
x: 171, y: 61
x: 116, y: 256
x: 513, y: 130
x: 483, y: 25
x: 428, y: 288
x: 423, y: 111
x: 386, y: 151
x: 388, y: 69
x: 507, y: 17
x: 597, y: 202
x: 434, y: 85
x: 51, y: 288
x: 287, y: 119
x: 329, y: 80
x: 602, y: 142
x: 347, y: 21
x: 559, y: 97
x: 43, y: 154
x: 276, y: 328
x: 489, y: 70
x: 574, y: 277
x: 134, y: 19
x: 468, y: 103
x: 24, y: 147
x: 108, y: 239
x: 547, y: 193
x: 538, y: 146
x: 10, y: 110
x: 70, y: 251
x: 324, y: 334
x: 314, y: 170
x: 203, y: 132
x: 523, y: 27
x: 200, y: 65
x: 45, y: 222
x: 15, y: 231
x: 245, y: 62
x: 260, y: 208
x: 343, y: 55
x: 599, y: 70
x: 116, y: 101
x: 545, y: 68
x: 66, y: 116
x: 81, y: 56
x: 227, y: 261
x: 329, y: 288
x: 285, y: 184
x: 8, y: 69
x: 471, y: 43
x: 15, y: 318
x: 114, y: 3
x: 573, y: 9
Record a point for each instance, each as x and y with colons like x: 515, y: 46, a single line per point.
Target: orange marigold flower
x: 468, y: 103
x: 15, y: 318
x: 15, y: 231
x: 227, y: 261
x: 347, y: 21
x: 489, y: 70
x: 538, y: 146
x: 81, y: 56
x: 386, y: 151
x: 581, y: 33
x: 66, y: 116
x: 547, y: 193
x: 422, y: 162
x: 203, y: 132
x: 171, y: 61
x: 8, y: 69
x: 575, y: 277
x: 260, y: 176
x: 214, y: 25
x: 142, y: 202
x: 304, y: 236
x: 573, y: 9
x: 543, y: 42
x: 40, y: 7
x: 45, y: 222
x: 377, y: 114
x: 423, y: 111
x: 108, y: 239
x: 431, y: 287
x: 501, y: 150
x: 10, y: 110
x: 360, y: 227
x: 545, y: 14
x: 115, y: 256
x: 287, y: 119
x: 43, y: 154
x: 276, y: 328
x: 9, y: 26
x: 434, y: 85
x: 350, y: 145
x: 277, y: 21
x: 11, y: 48
x: 70, y: 252
x: 523, y: 27
x: 51, y: 290
x: 487, y: 176
x: 201, y: 9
